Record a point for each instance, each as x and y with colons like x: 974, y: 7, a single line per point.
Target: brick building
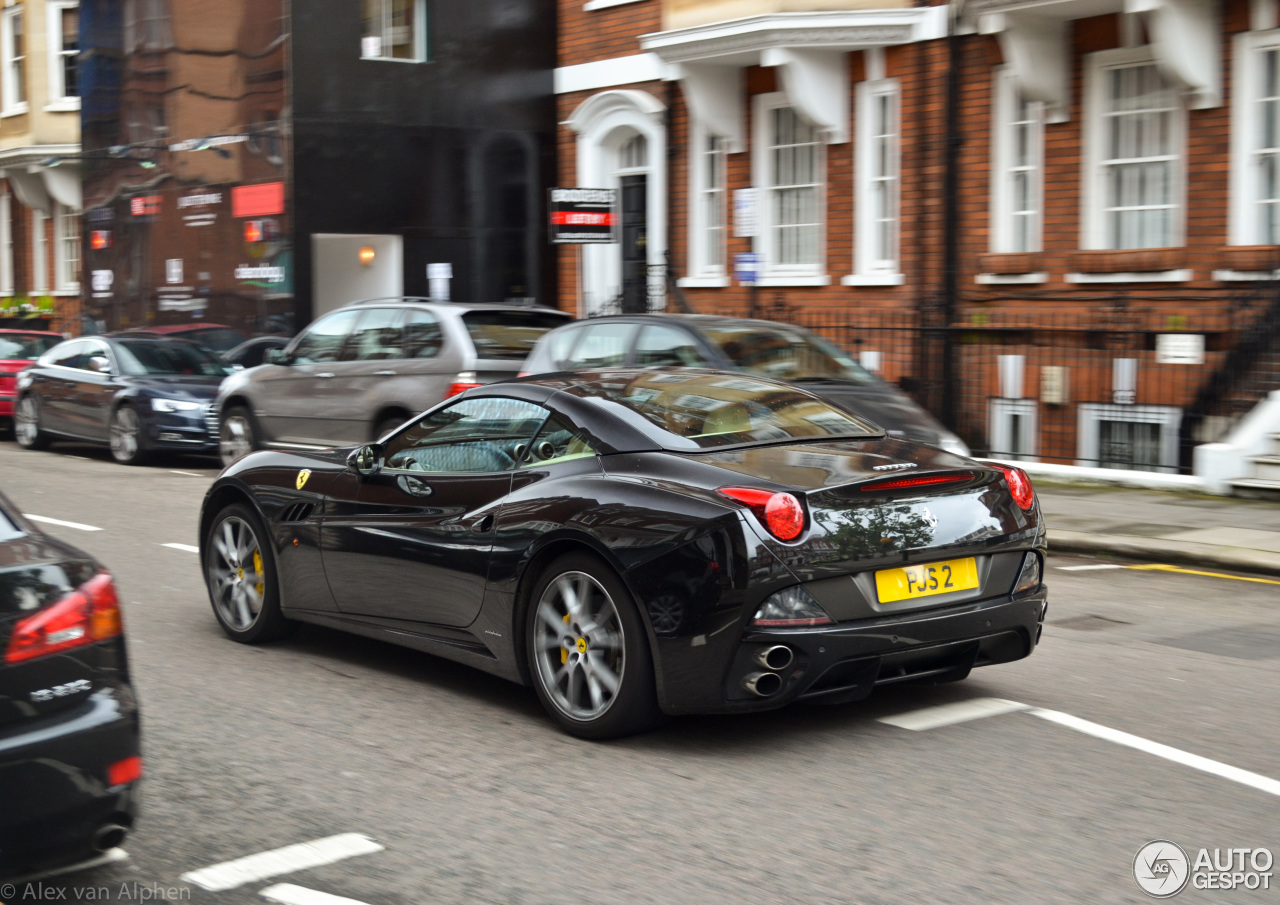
x: 40, y: 244
x: 1057, y: 222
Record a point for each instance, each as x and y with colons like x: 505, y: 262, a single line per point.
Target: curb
x: 1186, y: 553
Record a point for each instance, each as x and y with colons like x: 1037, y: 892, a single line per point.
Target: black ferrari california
x: 635, y: 543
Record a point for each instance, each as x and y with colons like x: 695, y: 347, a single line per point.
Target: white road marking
x: 190, y: 474
x: 58, y: 521
x: 1087, y: 568
x: 288, y: 894
x: 184, y: 547
x: 1186, y: 758
x: 250, y: 869
x: 948, y: 714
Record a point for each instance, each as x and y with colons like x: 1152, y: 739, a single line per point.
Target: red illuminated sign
x: 100, y: 239
x: 145, y: 205
x: 253, y: 230
x: 263, y: 200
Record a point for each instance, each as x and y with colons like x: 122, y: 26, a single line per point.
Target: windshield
x: 141, y: 357
x: 696, y: 410
x: 509, y: 334
x: 26, y: 346
x: 784, y: 354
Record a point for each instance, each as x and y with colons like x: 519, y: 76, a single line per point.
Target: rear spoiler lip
x: 977, y: 472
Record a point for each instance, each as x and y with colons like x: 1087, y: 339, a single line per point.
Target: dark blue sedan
x: 138, y: 394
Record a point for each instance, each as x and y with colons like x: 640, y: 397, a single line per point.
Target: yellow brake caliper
x: 564, y: 652
x: 257, y: 569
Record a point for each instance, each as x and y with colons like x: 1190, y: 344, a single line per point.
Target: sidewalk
x: 1181, y: 528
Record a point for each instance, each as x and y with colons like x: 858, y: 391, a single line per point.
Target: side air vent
x: 297, y: 512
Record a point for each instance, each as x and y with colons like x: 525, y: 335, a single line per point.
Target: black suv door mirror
x: 277, y: 357
x: 366, y: 461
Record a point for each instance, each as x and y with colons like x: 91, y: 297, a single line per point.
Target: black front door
x: 635, y: 244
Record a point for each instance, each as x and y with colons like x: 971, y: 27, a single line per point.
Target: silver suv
x: 362, y: 370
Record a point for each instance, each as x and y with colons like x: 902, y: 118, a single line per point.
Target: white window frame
x: 6, y: 243
x: 58, y: 97
x: 39, y: 252
x: 10, y: 104
x: 1246, y: 227
x: 1088, y: 432
x: 873, y: 263
x: 66, y: 249
x: 419, y: 35
x: 771, y: 272
x: 1001, y: 433
x: 705, y: 239
x: 1094, y: 230
x: 1005, y: 167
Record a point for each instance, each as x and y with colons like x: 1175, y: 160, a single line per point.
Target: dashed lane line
x: 186, y: 548
x: 950, y: 714
x: 1158, y: 567
x: 978, y: 708
x: 250, y: 869
x: 57, y: 521
x: 288, y: 894
x: 1096, y: 568
x: 190, y: 474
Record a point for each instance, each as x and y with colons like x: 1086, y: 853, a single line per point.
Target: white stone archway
x: 608, y: 125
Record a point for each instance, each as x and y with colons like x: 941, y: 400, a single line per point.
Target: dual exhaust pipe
x: 109, y: 836
x: 767, y: 684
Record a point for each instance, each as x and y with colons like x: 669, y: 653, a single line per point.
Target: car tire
x: 26, y: 424
x: 589, y: 659
x: 125, y: 435
x: 236, y: 435
x: 240, y: 574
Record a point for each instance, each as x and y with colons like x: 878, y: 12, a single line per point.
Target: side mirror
x: 366, y: 461
x: 277, y: 357
x: 100, y: 364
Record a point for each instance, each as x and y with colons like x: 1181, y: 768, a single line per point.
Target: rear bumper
x: 846, y: 662
x: 54, y: 777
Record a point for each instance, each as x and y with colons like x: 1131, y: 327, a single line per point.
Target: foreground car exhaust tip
x: 763, y: 684
x: 777, y: 657
x: 109, y: 836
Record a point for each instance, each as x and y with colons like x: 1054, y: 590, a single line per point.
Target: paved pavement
x: 1187, y: 529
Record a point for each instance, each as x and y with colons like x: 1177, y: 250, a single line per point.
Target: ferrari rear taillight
x: 781, y: 513
x: 466, y: 381
x: 123, y: 771
x: 87, y: 615
x: 1020, y: 486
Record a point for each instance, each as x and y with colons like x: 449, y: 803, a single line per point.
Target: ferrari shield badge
x: 302, y: 477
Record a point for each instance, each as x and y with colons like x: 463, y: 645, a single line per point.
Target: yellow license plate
x: 927, y: 579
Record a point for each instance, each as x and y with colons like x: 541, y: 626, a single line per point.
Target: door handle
x: 414, y: 486
x: 325, y: 374
x: 384, y: 373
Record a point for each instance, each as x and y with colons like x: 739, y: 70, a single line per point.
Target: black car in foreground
x: 69, y: 747
x: 138, y: 394
x: 636, y: 543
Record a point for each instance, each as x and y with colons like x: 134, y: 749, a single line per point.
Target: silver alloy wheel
x: 235, y: 437
x: 126, y: 431
x: 579, y: 646
x: 236, y: 576
x: 26, y: 422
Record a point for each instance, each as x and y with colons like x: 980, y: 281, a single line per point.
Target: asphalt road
x: 475, y: 797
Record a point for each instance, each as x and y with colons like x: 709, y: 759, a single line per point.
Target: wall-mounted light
x: 367, y: 254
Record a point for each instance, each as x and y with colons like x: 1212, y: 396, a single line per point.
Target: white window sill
x: 70, y: 105
x: 1245, y: 276
x: 780, y: 280
x: 1163, y: 276
x: 389, y: 60
x: 605, y: 4
x: 17, y: 110
x: 873, y: 279
x: 67, y: 292
x: 1010, y: 279
x: 704, y: 282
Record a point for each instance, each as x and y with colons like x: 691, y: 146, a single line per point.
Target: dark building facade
x: 258, y: 162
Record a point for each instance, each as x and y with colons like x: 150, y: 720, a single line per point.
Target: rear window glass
x: 25, y: 346
x: 783, y: 354
x: 509, y: 334
x: 140, y: 357
x: 692, y: 411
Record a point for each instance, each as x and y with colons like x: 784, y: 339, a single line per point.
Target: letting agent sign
x: 584, y: 216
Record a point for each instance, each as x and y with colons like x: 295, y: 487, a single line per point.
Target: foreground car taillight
x: 466, y: 381
x: 1020, y: 486
x: 85, y: 616
x: 792, y: 607
x: 1029, y: 577
x: 781, y: 513
x: 124, y: 771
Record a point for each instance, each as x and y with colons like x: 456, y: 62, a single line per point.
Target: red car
x: 18, y: 349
